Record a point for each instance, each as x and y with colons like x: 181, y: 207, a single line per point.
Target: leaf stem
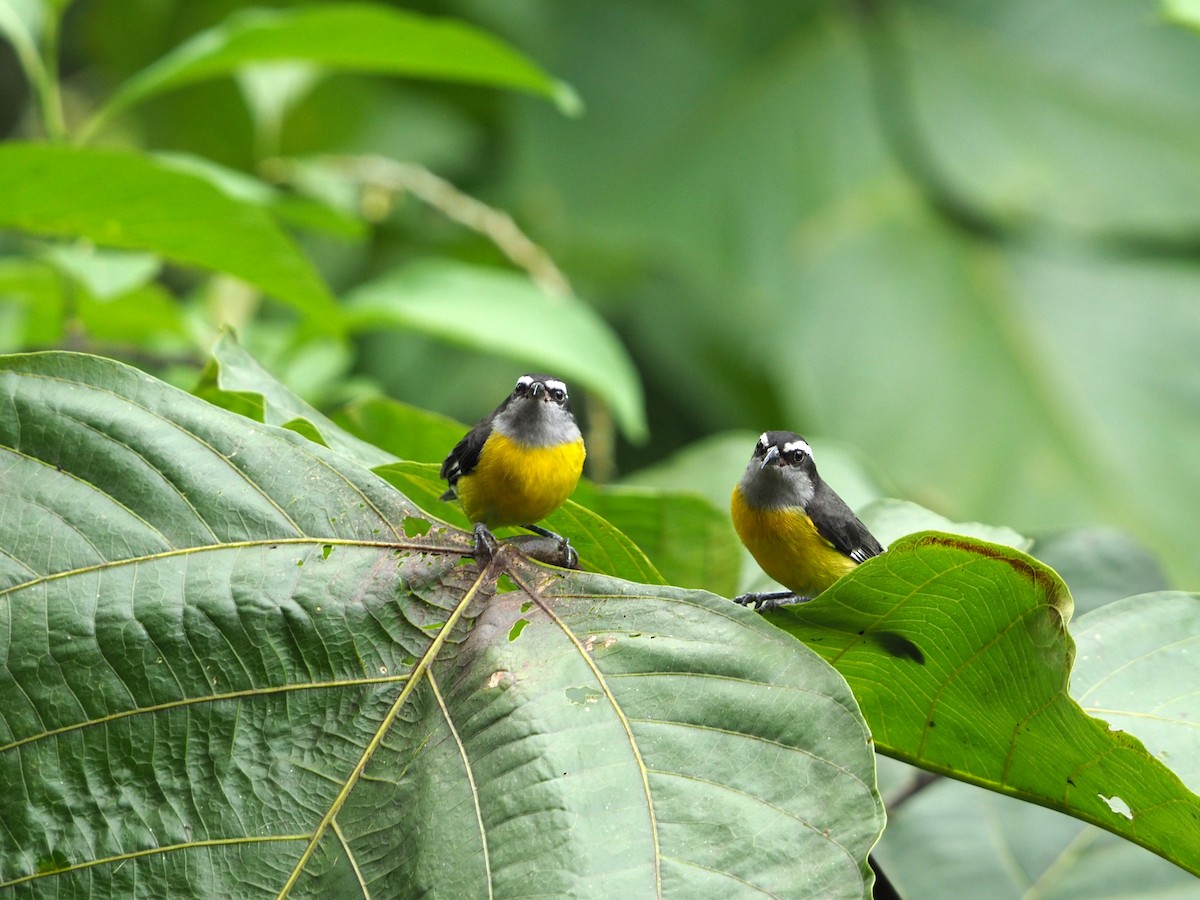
x: 47, y: 83
x: 26, y: 50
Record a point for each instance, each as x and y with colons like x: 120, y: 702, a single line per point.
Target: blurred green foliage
x: 957, y: 237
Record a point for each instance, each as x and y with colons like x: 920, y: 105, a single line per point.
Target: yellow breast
x: 787, y: 546
x: 513, y: 484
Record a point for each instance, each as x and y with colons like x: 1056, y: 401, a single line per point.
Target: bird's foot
x: 486, y: 544
x: 567, y: 557
x: 770, y: 600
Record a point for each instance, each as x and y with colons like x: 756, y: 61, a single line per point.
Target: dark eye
x: 794, y: 456
x: 558, y: 394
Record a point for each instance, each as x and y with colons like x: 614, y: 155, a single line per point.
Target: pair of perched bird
x: 524, y: 459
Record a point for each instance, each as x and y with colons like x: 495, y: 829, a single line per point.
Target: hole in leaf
x: 326, y: 549
x: 583, y: 696
x: 1117, y: 805
x: 518, y: 627
x: 416, y: 527
x: 526, y: 606
x: 504, y: 584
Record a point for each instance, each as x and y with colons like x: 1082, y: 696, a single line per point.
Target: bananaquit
x: 799, y: 531
x: 519, y: 463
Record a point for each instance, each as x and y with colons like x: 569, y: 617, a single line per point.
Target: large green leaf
x: 235, y: 663
x: 1134, y: 671
x: 360, y: 37
x: 958, y: 652
x: 505, y: 313
x: 128, y: 201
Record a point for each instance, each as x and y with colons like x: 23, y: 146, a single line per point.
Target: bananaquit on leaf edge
x: 799, y: 531
x: 519, y: 463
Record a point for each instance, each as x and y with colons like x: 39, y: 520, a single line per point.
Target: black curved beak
x: 537, y: 391
x: 772, y: 456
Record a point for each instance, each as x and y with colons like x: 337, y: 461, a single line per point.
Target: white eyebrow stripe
x: 552, y: 383
x: 525, y: 379
x: 797, y: 445
x: 762, y: 439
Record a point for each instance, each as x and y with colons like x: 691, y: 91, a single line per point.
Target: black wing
x: 465, y: 455
x: 842, y: 528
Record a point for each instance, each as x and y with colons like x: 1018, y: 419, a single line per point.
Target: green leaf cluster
x: 244, y: 647
x: 233, y: 646
x: 183, y: 209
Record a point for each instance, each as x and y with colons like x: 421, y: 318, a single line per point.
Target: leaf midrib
x: 406, y: 546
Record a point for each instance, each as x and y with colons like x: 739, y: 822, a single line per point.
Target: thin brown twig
x: 494, y: 224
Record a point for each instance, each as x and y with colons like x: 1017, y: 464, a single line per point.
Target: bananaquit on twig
x: 799, y: 531
x: 519, y: 463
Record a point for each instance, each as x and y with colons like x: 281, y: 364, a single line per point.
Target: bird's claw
x: 770, y: 600
x: 486, y: 544
x: 568, y: 558
x: 569, y: 555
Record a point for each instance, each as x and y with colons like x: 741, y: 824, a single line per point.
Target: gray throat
x: 537, y: 423
x: 776, y: 488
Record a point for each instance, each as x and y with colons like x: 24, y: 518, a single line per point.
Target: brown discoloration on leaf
x: 593, y: 641
x: 1042, y: 577
x: 501, y: 677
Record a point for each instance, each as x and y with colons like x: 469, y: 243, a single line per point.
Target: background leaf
x: 691, y: 542
x: 128, y: 201
x: 892, y: 519
x: 760, y: 201
x: 1185, y: 12
x: 505, y: 314
x: 1135, y: 671
x: 1100, y: 565
x: 953, y: 840
x: 253, y: 606
x: 357, y: 36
